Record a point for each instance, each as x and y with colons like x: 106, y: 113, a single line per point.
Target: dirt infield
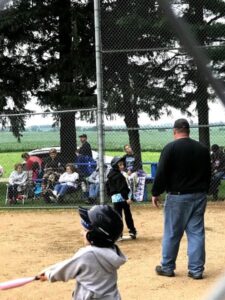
x: 32, y: 240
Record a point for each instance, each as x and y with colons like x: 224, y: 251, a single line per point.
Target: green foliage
x: 47, y: 51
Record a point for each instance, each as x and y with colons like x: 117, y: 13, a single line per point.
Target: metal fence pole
x: 99, y: 78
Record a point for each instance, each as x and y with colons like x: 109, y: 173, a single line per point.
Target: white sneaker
x: 54, y: 193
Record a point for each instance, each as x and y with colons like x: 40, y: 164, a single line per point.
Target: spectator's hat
x: 83, y: 135
x: 181, y: 124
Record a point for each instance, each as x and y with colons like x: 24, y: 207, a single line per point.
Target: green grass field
x: 9, y: 159
x: 152, y: 142
x: 150, y: 139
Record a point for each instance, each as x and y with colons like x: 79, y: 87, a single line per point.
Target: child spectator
x: 67, y: 181
x: 119, y: 191
x: 95, y: 266
x: 17, y: 180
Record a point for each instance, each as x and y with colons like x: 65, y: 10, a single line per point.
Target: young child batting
x: 95, y: 266
x: 117, y: 188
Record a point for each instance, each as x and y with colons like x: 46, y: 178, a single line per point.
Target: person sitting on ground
x: 218, y: 170
x: 17, y: 181
x: 94, y: 266
x: 33, y: 165
x: 94, y: 184
x: 67, y: 181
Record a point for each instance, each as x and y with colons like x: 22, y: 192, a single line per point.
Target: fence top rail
x: 48, y: 112
x: 162, y: 127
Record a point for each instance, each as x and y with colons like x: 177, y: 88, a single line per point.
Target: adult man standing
x: 85, y: 163
x: 85, y: 148
x: 184, y: 172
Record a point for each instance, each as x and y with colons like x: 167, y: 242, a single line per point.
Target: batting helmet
x: 115, y: 161
x: 104, y: 225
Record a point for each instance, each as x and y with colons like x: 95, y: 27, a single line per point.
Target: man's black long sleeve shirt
x: 184, y: 167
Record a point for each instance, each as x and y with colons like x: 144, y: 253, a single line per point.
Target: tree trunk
x: 68, y: 137
x: 203, y: 113
x: 129, y: 108
x: 131, y: 121
x: 201, y: 93
x: 68, y: 129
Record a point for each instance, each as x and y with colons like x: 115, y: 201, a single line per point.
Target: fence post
x: 99, y: 79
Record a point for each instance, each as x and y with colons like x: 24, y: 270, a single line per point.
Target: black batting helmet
x: 104, y: 225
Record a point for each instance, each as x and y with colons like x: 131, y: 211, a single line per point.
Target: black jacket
x: 116, y: 184
x: 54, y: 164
x: 85, y: 149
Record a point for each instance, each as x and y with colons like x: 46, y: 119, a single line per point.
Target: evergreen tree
x: 48, y: 52
x: 165, y: 76
x: 130, y: 84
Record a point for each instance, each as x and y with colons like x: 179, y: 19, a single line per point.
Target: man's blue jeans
x: 184, y: 213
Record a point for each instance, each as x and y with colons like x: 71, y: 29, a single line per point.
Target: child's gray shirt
x: 95, y: 270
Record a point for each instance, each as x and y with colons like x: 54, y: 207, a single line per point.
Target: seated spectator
x: 94, y: 184
x: 67, y: 181
x: 53, y: 162
x: 53, y: 168
x: 218, y: 170
x: 34, y: 164
x: 17, y: 181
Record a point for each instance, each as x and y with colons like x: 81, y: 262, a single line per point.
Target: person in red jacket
x: 33, y: 163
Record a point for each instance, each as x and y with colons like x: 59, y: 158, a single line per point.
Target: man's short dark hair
x: 182, y: 125
x: 83, y: 135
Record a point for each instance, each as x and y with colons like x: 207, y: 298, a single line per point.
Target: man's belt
x: 183, y: 193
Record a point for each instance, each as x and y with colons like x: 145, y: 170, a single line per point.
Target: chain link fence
x: 46, y: 162
x: 147, y: 70
x: 147, y: 74
x: 43, y: 138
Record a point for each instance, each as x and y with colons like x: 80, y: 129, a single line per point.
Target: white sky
x: 216, y: 115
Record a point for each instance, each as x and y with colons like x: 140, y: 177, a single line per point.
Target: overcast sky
x: 216, y: 114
